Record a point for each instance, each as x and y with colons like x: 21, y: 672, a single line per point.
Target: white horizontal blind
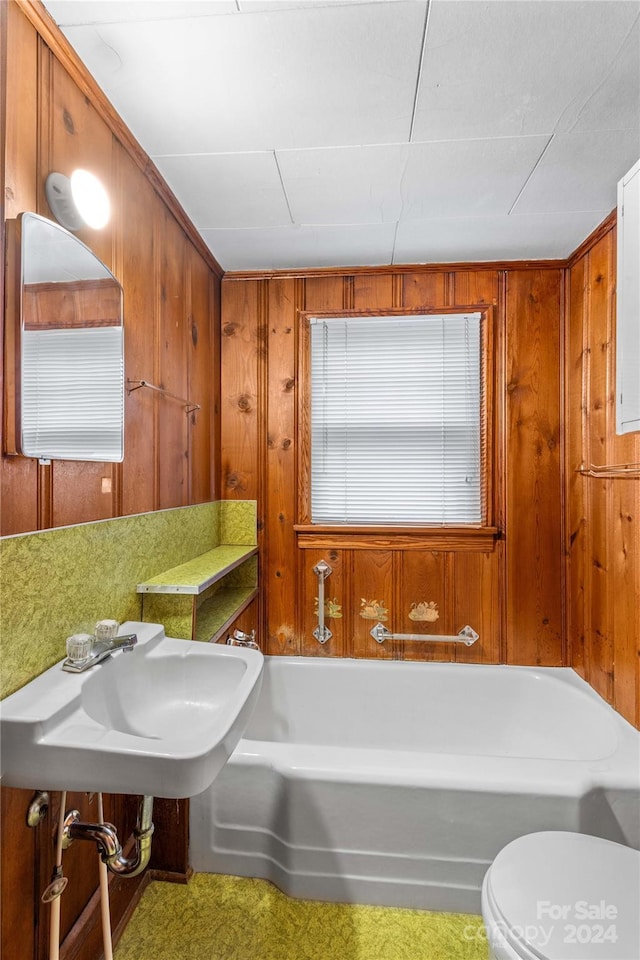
x: 396, y: 420
x: 73, y: 393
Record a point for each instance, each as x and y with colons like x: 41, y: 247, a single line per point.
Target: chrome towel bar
x: 322, y: 633
x: 466, y: 635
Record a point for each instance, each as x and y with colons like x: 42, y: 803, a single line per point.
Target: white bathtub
x: 397, y: 783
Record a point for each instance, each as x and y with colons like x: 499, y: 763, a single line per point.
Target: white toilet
x: 563, y: 896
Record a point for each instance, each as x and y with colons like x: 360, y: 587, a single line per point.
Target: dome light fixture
x: 78, y: 201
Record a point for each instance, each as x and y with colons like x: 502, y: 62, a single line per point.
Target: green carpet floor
x: 229, y: 918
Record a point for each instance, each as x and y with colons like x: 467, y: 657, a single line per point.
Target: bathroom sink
x: 160, y: 720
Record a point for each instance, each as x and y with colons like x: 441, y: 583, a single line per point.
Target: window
x: 397, y: 419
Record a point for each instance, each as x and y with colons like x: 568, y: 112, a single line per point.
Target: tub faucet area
x: 242, y: 639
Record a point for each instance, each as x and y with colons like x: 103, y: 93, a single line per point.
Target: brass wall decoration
x: 427, y: 610
x: 332, y: 609
x: 373, y: 610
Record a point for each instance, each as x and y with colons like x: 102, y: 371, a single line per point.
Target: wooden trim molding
x: 395, y: 268
x: 46, y: 26
x: 321, y: 537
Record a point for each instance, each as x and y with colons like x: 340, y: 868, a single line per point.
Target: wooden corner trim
x: 594, y: 237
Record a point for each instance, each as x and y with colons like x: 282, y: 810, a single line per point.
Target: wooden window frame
x: 416, y: 536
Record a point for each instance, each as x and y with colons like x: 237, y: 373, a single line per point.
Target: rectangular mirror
x: 65, y: 391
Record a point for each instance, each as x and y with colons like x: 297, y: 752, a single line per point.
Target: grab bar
x: 466, y: 635
x: 322, y: 633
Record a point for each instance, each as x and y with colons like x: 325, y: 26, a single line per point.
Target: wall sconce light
x: 78, y: 201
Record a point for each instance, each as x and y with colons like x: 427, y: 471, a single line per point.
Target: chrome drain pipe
x: 106, y: 837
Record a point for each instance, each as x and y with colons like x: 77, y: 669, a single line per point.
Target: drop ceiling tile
x: 534, y: 237
x: 580, y: 171
x: 259, y: 6
x: 68, y: 12
x: 467, y: 177
x: 615, y: 105
x: 295, y: 247
x: 345, y: 184
x: 228, y: 190
x: 300, y: 78
x: 513, y: 68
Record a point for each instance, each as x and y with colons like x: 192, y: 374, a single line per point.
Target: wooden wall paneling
x: 625, y: 578
x: 373, y: 291
x: 215, y: 297
x: 575, y: 482
x: 338, y: 603
x: 424, y: 583
x: 239, y: 391
x: 327, y: 293
x: 475, y: 286
x: 202, y: 374
x: 18, y: 868
x: 372, y: 593
x: 242, y: 414
x: 625, y: 556
x: 599, y: 581
x: 279, y: 572
x: 20, y: 186
x: 18, y: 475
x: 603, y: 535
x: 424, y: 289
x: 172, y: 447
x: 135, y: 268
x: 477, y: 602
x: 534, y: 522
x: 77, y: 137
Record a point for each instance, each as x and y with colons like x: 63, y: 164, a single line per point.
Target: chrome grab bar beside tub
x: 322, y: 633
x: 466, y: 635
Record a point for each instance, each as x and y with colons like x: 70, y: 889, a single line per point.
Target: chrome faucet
x: 242, y: 639
x: 100, y: 650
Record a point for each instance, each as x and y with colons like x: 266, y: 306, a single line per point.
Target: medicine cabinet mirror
x: 64, y: 349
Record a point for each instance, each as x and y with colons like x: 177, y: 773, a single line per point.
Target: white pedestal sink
x: 161, y: 720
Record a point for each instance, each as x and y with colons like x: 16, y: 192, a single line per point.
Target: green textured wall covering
x: 57, y: 582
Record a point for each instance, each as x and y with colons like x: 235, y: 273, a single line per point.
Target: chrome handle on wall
x: 322, y: 633
x: 466, y: 635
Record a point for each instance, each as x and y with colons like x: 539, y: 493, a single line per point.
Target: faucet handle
x: 79, y: 647
x: 106, y: 629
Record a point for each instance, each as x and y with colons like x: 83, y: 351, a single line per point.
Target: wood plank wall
x: 509, y: 590
x: 603, y: 515
x: 54, y: 118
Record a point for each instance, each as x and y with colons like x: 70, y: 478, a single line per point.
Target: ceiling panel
x: 580, y: 171
x: 467, y: 177
x: 66, y: 12
x: 297, y: 247
x: 345, y: 184
x: 507, y: 69
x: 615, y: 104
x: 290, y: 79
x: 228, y: 190
x: 531, y: 237
x: 264, y: 112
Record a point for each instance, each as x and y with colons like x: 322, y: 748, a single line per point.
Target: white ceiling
x: 301, y: 134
